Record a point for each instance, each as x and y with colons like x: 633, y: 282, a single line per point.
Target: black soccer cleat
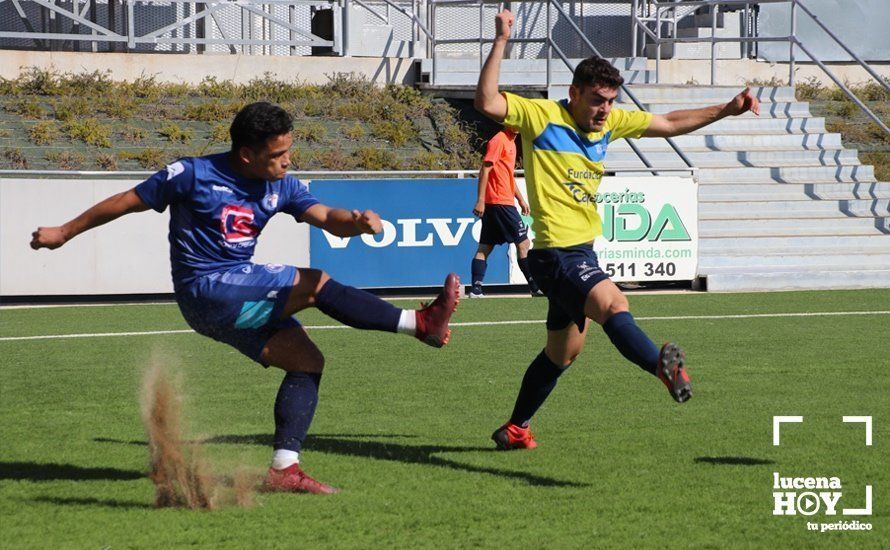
x: 671, y: 370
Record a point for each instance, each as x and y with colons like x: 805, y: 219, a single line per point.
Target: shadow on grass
x: 109, y: 503
x: 32, y: 471
x: 351, y: 445
x: 733, y: 460
x: 357, y: 445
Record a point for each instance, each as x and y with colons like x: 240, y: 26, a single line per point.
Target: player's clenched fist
x: 47, y: 237
x: 503, y: 23
x: 367, y: 221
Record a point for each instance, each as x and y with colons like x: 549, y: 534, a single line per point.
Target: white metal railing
x: 325, y: 174
x: 550, y: 46
x: 667, y: 15
x: 261, y: 23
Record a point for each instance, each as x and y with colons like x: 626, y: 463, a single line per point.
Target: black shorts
x: 502, y: 224
x: 566, y: 276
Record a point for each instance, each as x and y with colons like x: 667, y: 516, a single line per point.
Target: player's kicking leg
x: 607, y: 306
x: 359, y: 309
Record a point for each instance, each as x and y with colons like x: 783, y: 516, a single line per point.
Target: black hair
x: 257, y: 122
x: 596, y: 71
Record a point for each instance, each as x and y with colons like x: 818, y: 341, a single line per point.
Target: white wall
x: 129, y: 255
x: 192, y: 69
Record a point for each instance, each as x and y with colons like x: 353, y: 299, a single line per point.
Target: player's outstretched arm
x: 488, y: 100
x: 677, y: 123
x: 341, y: 222
x: 103, y: 212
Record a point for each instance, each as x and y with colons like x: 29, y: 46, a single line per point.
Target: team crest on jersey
x: 236, y: 224
x: 274, y: 268
x: 270, y: 201
x: 174, y: 170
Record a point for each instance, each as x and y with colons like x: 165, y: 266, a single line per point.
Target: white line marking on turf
x: 466, y: 324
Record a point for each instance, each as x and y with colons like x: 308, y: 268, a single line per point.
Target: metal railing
x: 550, y: 47
x: 666, y: 15
x: 247, y: 23
x: 318, y: 174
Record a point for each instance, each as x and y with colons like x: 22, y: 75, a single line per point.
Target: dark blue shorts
x: 566, y: 276
x: 240, y: 307
x: 502, y: 224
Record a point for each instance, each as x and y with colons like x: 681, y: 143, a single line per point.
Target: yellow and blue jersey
x: 564, y: 165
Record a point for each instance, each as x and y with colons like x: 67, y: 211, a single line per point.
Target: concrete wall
x: 129, y: 255
x: 192, y: 69
x: 732, y: 72
x: 860, y: 24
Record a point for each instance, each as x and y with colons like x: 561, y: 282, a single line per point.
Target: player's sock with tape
x: 357, y: 308
x: 539, y: 380
x: 294, y: 409
x: 477, y: 270
x: 631, y: 341
x: 527, y: 272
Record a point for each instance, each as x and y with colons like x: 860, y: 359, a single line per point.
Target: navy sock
x: 294, y: 409
x: 357, y: 308
x: 631, y: 341
x: 477, y: 270
x: 539, y: 380
x: 526, y: 270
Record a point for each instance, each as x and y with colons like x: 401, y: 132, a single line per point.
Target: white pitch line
x: 466, y: 324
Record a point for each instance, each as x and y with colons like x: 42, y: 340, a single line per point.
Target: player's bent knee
x: 308, y: 362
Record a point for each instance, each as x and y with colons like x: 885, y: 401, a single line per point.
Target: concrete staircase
x: 782, y: 204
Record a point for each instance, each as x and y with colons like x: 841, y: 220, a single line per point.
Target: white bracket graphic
x: 861, y: 511
x: 779, y: 420
x: 864, y: 420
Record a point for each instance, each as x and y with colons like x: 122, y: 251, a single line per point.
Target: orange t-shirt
x: 501, y: 153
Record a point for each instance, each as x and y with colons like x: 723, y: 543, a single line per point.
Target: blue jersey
x: 215, y: 214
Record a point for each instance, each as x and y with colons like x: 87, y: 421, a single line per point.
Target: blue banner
x: 428, y: 231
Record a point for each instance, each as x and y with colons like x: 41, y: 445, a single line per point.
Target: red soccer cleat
x: 671, y: 370
x: 432, y: 319
x: 510, y: 436
x: 294, y: 480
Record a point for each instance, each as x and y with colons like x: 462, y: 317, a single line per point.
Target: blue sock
x: 631, y: 341
x: 538, y: 382
x: 477, y: 269
x: 526, y: 270
x: 357, y: 308
x: 294, y: 409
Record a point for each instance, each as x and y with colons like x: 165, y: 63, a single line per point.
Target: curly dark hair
x: 257, y: 122
x: 596, y: 71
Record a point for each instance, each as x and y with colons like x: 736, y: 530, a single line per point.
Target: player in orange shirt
x: 496, y: 206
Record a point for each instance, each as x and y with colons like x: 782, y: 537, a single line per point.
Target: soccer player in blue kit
x: 219, y: 204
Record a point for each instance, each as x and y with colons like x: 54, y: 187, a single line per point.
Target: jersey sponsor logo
x: 270, y: 201
x: 222, y: 189
x: 236, y: 224
x: 174, y: 170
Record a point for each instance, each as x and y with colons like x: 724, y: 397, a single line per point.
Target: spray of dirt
x: 181, y: 476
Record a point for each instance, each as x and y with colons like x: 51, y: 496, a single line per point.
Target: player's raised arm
x: 342, y: 223
x: 488, y: 100
x: 103, y: 212
x: 681, y: 122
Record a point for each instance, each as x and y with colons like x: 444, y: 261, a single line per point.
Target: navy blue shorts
x: 502, y: 224
x: 240, y: 307
x: 566, y: 276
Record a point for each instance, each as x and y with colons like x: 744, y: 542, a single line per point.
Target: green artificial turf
x: 403, y: 430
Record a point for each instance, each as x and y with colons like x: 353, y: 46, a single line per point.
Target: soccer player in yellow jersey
x: 564, y: 144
